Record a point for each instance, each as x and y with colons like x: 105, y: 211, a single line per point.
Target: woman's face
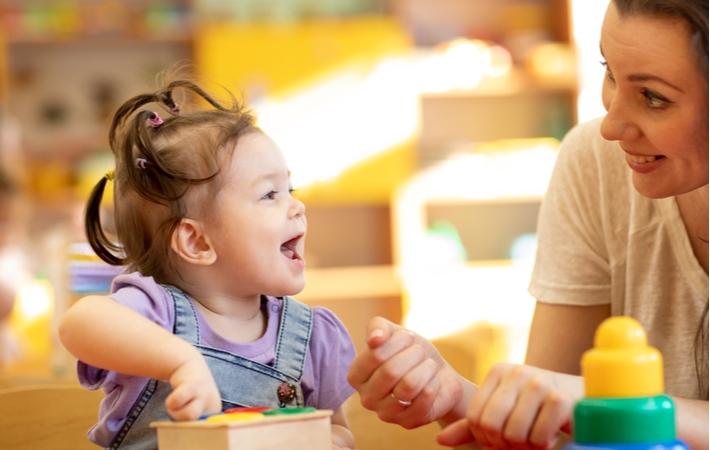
x: 657, y: 102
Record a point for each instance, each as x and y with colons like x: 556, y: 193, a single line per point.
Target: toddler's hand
x: 194, y: 391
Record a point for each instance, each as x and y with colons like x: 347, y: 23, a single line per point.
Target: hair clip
x: 175, y: 109
x: 140, y: 163
x: 109, y: 175
x: 155, y: 119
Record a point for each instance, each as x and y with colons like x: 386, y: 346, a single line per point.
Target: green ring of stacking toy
x: 624, y: 420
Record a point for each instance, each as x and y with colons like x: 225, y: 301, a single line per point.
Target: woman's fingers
x: 520, y: 407
x: 399, y: 368
x: 458, y: 433
x: 385, y: 339
x: 379, y: 330
x: 528, y: 412
x: 554, y: 415
x: 482, y: 420
x: 423, y: 387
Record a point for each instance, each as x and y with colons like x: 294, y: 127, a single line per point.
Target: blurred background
x: 420, y: 135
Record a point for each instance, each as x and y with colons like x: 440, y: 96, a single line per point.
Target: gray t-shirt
x: 601, y: 242
x: 324, y: 383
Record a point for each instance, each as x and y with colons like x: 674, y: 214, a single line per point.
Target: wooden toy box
x: 304, y: 431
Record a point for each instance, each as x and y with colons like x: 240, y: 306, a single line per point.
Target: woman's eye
x: 608, y: 73
x: 270, y: 196
x: 654, y: 101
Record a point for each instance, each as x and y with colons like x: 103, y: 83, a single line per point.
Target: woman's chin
x: 651, y: 188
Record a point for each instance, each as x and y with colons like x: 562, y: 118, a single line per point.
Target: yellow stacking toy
x: 624, y: 405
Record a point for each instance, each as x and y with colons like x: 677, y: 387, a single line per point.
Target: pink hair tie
x: 140, y: 163
x: 155, y: 119
x: 175, y: 109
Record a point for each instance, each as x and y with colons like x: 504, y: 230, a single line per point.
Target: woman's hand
x: 397, y: 361
x: 194, y: 392
x: 518, y: 407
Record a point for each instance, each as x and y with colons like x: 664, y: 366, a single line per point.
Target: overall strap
x: 294, y: 335
x: 185, y: 325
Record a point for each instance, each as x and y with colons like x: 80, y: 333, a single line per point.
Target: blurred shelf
x: 355, y: 295
x: 334, y: 283
x: 100, y: 40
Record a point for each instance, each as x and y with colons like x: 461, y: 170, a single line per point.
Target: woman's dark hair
x: 168, y: 160
x: 701, y: 354
x: 693, y: 12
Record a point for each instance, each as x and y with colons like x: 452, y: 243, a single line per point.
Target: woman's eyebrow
x: 648, y: 77
x: 645, y: 77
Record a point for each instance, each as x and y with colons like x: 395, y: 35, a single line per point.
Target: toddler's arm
x: 103, y: 333
x: 340, y: 431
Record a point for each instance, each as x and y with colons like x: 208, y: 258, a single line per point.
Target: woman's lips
x: 642, y: 159
x: 644, y: 163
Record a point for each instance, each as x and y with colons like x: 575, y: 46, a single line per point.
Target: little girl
x: 213, y: 242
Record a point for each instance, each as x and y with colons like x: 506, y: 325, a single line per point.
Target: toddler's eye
x: 292, y: 191
x: 270, y: 196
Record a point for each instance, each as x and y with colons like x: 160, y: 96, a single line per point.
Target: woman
x: 623, y: 231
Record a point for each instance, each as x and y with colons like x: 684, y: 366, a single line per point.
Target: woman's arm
x: 560, y: 334
x: 103, y: 333
x: 692, y: 422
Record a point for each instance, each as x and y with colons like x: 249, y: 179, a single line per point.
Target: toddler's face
x: 260, y: 229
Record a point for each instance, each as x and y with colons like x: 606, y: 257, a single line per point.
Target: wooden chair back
x: 48, y: 417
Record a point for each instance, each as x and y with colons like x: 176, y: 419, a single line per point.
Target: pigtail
x: 98, y: 240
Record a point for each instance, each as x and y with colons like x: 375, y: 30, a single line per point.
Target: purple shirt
x: 324, y: 383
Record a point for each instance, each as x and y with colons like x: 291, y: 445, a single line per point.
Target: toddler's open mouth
x: 289, y: 248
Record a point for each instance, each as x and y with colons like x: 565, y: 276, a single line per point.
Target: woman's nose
x: 618, y: 124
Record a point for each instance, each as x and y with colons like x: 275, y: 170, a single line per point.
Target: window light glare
x: 34, y: 300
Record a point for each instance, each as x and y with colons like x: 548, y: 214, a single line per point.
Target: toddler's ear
x: 192, y: 244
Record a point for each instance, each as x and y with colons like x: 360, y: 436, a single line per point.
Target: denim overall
x: 241, y: 382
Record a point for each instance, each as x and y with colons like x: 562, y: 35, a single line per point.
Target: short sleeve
x: 331, y: 351
x: 572, y: 262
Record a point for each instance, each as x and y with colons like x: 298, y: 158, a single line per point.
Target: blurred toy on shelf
x: 81, y: 19
x: 88, y: 274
